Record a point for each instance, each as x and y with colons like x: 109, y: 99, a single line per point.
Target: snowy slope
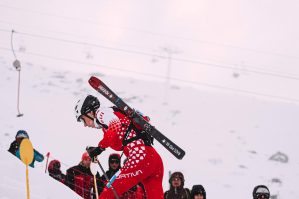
x: 228, y: 137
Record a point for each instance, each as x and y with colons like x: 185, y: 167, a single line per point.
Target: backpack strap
x: 140, y: 134
x: 147, y: 139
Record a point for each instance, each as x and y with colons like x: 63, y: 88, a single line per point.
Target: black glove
x: 94, y: 151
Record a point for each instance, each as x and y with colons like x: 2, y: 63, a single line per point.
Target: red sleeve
x: 104, y: 143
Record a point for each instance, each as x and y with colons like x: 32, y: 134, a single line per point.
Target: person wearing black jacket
x: 177, y: 190
x: 80, y: 179
x: 114, y: 166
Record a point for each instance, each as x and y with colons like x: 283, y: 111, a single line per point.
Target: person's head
x: 54, y: 167
x: 85, y: 111
x: 114, y: 161
x: 198, y: 192
x: 85, y: 160
x: 21, y: 134
x: 261, y: 192
x: 177, y: 180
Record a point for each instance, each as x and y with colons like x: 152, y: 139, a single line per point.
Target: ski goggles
x: 262, y: 196
x: 114, y: 162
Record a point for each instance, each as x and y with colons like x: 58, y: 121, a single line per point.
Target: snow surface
x: 228, y: 138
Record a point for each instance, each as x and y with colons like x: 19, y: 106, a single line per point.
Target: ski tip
x: 181, y: 155
x: 94, y: 82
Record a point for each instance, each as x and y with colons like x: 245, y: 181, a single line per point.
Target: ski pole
x: 109, y: 184
x: 94, y: 172
x: 96, y: 186
x: 112, y: 188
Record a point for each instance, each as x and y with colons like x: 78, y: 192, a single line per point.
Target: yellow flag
x: 26, y: 151
x: 26, y: 155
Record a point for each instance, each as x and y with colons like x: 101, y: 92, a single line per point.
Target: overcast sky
x: 247, y: 47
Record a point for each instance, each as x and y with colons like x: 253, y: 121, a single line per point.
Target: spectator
x: 55, y: 172
x: 198, y: 192
x: 114, y: 166
x: 261, y: 192
x: 177, y: 190
x: 80, y: 179
x: 15, y: 147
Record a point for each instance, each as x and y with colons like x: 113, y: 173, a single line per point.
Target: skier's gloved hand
x: 94, y: 151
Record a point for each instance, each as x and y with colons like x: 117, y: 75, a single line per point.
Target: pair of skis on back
x: 103, y: 89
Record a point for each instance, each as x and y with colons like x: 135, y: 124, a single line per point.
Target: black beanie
x: 114, y: 156
x: 198, y: 189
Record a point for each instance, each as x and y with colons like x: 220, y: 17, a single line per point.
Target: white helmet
x: 86, y: 105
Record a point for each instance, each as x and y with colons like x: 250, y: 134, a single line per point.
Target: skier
x: 121, y: 134
x: 177, y: 190
x: 198, y: 192
x: 261, y: 192
x: 15, y: 148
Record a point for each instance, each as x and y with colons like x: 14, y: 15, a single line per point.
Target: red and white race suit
x: 144, y: 164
